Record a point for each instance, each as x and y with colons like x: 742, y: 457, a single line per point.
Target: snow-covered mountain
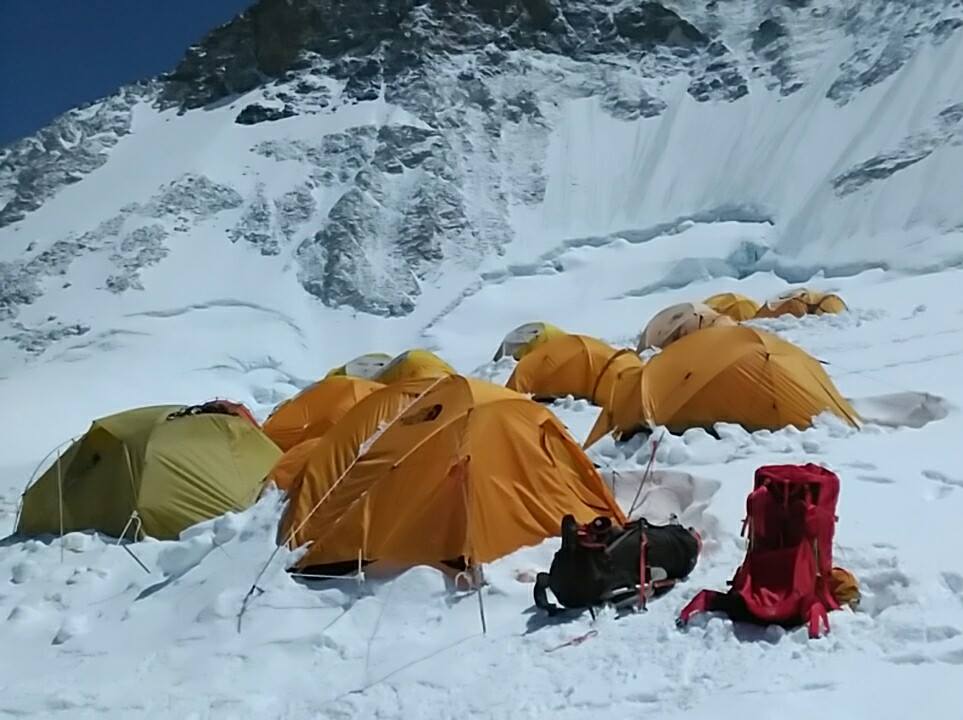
x: 366, y: 148
x: 318, y: 179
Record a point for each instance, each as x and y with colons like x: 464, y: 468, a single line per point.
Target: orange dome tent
x: 733, y: 305
x: 288, y: 467
x: 576, y: 365
x: 468, y: 470
x: 363, y: 419
x: 313, y: 411
x: 801, y: 302
x: 525, y: 338
x: 364, y: 366
x: 726, y: 374
x: 414, y: 364
x: 677, y: 321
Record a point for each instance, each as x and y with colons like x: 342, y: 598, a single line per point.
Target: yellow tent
x: 174, y: 471
x: 313, y: 411
x: 414, y: 364
x: 801, y: 302
x: 733, y: 305
x: 364, y: 366
x: 677, y: 321
x: 468, y: 471
x: 525, y: 338
x: 576, y: 365
x: 727, y: 374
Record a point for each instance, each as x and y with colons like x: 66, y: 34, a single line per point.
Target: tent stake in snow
x: 138, y: 525
x: 480, y: 580
x: 136, y: 559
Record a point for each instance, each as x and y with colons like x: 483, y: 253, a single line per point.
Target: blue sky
x: 56, y: 54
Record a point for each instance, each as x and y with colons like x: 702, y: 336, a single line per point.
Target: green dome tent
x: 172, y: 470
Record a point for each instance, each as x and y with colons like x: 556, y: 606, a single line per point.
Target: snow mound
x: 905, y: 409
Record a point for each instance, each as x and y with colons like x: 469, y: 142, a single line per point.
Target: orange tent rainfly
x: 363, y: 420
x: 468, y: 472
x: 677, y: 321
x: 414, y: 364
x: 313, y: 411
x: 733, y: 305
x: 287, y: 470
x: 576, y: 365
x: 737, y: 375
x: 801, y: 302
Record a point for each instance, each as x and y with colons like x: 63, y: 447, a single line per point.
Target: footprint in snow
x: 940, y: 492
x: 954, y: 582
x: 914, y: 658
x: 884, y: 546
x: 24, y: 572
x: 72, y: 627
x: 884, y: 589
x: 876, y: 479
x: 860, y: 465
x: 942, y: 478
x: 24, y: 614
x: 954, y: 657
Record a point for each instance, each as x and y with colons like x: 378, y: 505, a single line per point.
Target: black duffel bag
x: 601, y: 563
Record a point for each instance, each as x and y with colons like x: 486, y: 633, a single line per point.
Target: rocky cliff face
x: 375, y: 210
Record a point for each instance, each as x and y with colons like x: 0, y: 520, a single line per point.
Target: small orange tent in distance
x: 801, y: 302
x: 414, y: 364
x: 364, y: 366
x: 677, y: 321
x: 733, y: 305
x: 314, y: 410
x: 736, y: 374
x: 469, y: 471
x: 525, y: 338
x: 576, y: 365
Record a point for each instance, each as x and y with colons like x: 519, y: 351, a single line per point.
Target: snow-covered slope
x: 412, y: 646
x: 320, y: 179
x: 363, y: 152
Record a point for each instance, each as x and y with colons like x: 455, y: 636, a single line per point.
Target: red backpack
x: 785, y: 577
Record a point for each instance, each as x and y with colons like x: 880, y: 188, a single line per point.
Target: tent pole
x: 645, y: 475
x: 60, y: 504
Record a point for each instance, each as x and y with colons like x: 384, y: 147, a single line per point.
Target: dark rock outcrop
x: 256, y: 113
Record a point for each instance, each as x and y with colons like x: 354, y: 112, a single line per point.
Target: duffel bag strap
x: 541, y: 596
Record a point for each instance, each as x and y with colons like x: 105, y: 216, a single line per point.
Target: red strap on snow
x: 574, y: 641
x: 704, y: 601
x: 817, y: 616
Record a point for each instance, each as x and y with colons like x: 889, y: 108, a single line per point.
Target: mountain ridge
x: 460, y: 107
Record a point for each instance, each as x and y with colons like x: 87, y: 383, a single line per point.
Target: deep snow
x: 94, y: 635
